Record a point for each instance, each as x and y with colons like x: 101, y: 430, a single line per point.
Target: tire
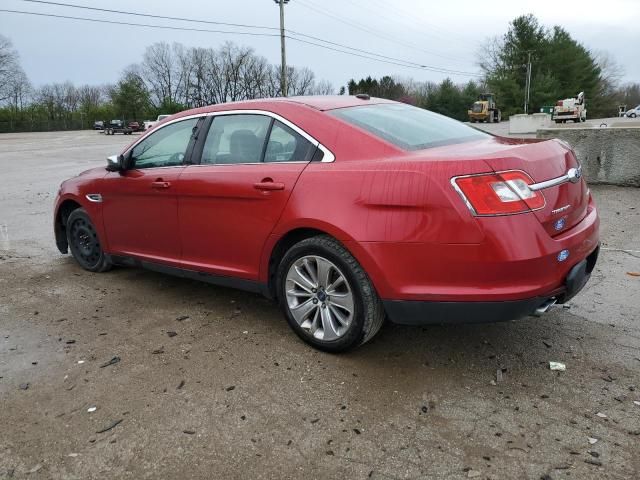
x: 84, y: 243
x: 337, y: 319
x: 633, y: 115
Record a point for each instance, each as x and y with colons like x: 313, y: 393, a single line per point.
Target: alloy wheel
x: 319, y: 297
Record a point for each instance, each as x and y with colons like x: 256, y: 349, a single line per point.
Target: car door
x: 140, y: 204
x: 231, y: 201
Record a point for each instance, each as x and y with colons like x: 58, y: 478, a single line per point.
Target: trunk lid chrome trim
x: 573, y: 175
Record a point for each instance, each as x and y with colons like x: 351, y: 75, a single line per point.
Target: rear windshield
x: 410, y: 128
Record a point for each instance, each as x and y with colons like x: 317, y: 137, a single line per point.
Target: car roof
x: 318, y: 102
x: 331, y: 102
x: 280, y: 104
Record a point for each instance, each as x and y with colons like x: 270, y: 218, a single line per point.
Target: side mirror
x: 114, y: 163
x: 120, y: 163
x: 127, y: 161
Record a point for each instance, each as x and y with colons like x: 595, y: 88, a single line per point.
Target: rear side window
x: 236, y: 139
x: 408, y: 127
x: 287, y: 145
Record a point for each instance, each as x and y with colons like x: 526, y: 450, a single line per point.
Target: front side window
x: 287, y: 145
x: 407, y: 127
x: 236, y: 139
x: 165, y: 147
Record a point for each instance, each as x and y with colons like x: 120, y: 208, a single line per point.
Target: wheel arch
x: 278, y: 244
x: 60, y: 223
x: 280, y: 247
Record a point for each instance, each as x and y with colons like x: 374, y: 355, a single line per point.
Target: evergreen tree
x: 561, y: 67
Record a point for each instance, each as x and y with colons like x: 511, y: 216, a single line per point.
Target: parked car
x: 345, y: 210
x: 149, y: 124
x: 633, y: 112
x: 98, y: 125
x: 117, y: 126
x: 134, y: 126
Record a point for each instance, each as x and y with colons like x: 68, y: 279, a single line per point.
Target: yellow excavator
x: 485, y: 109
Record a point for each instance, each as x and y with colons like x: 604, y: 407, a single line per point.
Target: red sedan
x: 346, y: 210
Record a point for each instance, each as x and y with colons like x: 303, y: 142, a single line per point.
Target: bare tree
x: 489, y: 59
x: 610, y: 70
x: 300, y: 81
x: 13, y: 80
x: 91, y: 97
x: 162, y: 73
x: 19, y: 90
x: 323, y: 87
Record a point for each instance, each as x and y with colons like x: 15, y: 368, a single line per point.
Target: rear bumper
x: 408, y: 312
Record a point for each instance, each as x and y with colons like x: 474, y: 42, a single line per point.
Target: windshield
x: 408, y: 127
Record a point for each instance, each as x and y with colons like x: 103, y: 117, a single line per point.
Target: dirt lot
x: 211, y: 383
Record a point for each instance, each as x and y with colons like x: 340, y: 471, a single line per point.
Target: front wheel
x: 326, y: 296
x: 84, y: 242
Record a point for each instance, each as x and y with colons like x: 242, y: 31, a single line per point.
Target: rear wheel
x: 327, y: 297
x: 84, y: 242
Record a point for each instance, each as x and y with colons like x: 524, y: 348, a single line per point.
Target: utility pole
x: 528, y: 85
x: 283, y: 66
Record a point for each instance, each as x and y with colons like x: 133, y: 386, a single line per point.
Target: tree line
x: 170, y: 78
x: 561, y: 67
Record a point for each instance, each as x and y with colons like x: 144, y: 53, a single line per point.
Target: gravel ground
x: 193, y: 381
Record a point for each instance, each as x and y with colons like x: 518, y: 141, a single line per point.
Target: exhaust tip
x: 544, y: 308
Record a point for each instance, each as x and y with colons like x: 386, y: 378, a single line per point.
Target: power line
x: 361, y: 53
x: 293, y: 32
x: 149, y: 15
x: 407, y: 65
x: 147, y: 25
x: 373, y: 54
x: 410, y: 20
x: 375, y: 33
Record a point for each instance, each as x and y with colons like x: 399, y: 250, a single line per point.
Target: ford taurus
x: 345, y: 210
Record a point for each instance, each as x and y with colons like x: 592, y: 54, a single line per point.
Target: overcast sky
x: 443, y: 34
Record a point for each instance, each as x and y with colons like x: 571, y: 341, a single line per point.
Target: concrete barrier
x: 528, y: 123
x: 608, y: 155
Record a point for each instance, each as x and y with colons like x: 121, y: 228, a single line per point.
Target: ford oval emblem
x: 574, y: 174
x: 559, y: 225
x: 563, y: 255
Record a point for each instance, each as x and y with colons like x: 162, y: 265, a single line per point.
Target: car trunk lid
x: 547, y: 163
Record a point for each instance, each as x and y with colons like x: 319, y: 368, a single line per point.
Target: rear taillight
x: 502, y: 193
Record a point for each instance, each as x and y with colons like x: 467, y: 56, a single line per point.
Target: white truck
x: 570, y: 109
x: 149, y: 124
